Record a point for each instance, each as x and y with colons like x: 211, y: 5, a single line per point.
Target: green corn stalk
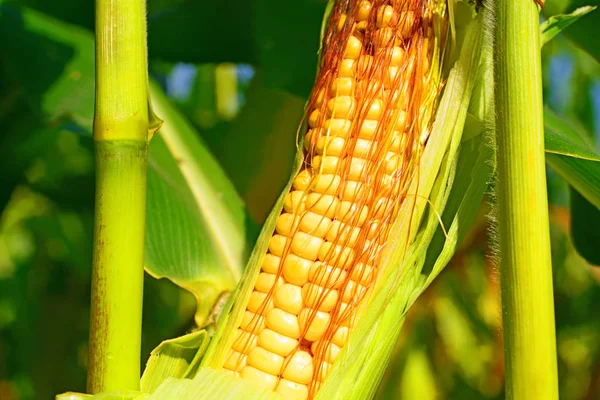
x: 121, y: 133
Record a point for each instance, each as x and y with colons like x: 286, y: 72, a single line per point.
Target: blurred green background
x: 240, y: 71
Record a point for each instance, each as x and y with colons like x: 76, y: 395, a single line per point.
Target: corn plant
x: 412, y: 115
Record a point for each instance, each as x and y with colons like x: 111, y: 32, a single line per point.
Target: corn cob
x: 367, y: 120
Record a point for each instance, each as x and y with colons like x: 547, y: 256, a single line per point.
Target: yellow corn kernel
x: 382, y: 206
x: 349, y: 212
x: 277, y: 244
x: 260, y: 302
x: 315, y: 224
x: 290, y: 390
x: 331, y: 146
x: 306, y: 246
x: 235, y: 360
x: 342, y: 22
x: 368, y: 129
x: 386, y: 17
x: 361, y: 26
x: 341, y: 107
x: 266, y: 281
x: 299, y: 367
x: 294, y: 202
x: 313, y: 119
x: 407, y: 22
x: 326, y: 164
x: 327, y: 276
x: 399, y: 141
x: 302, y: 181
x: 343, y: 234
x: 276, y: 342
x: 347, y: 68
x: 327, y: 184
x: 350, y: 320
x: 289, y: 298
x: 356, y: 192
x: 323, y: 204
x: 252, y: 322
x: 364, y: 11
x: 271, y: 263
x: 397, y: 56
x: 363, y: 148
x: 283, y: 322
x: 363, y: 274
x: 319, y: 298
x: 340, y: 338
x: 353, y: 291
x: 337, y: 127
x: 376, y: 227
x: 395, y: 163
x: 286, y: 223
x: 324, y: 370
x: 391, y: 77
x: 342, y: 87
x: 331, y: 352
x: 336, y: 255
x: 259, y: 377
x: 244, y: 341
x: 296, y: 269
x: 401, y: 121
x: 266, y: 361
x: 314, y: 323
x: 320, y: 98
x: 357, y: 167
x: 384, y: 38
x: 374, y: 110
x: 353, y: 48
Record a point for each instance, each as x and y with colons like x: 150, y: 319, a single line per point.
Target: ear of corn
x: 321, y: 305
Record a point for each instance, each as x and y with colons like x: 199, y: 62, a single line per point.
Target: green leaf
x: 586, y: 31
x: 198, y: 232
x: 571, y: 155
x: 557, y: 23
x: 585, y: 220
x: 176, y: 358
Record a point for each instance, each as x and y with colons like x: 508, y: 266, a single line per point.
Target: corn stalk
x: 523, y: 223
x: 121, y: 126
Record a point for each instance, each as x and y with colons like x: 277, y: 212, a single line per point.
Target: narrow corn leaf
x: 584, y: 227
x: 198, y: 232
x: 572, y: 156
x: 557, y: 23
x: 174, y: 358
x: 585, y: 32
